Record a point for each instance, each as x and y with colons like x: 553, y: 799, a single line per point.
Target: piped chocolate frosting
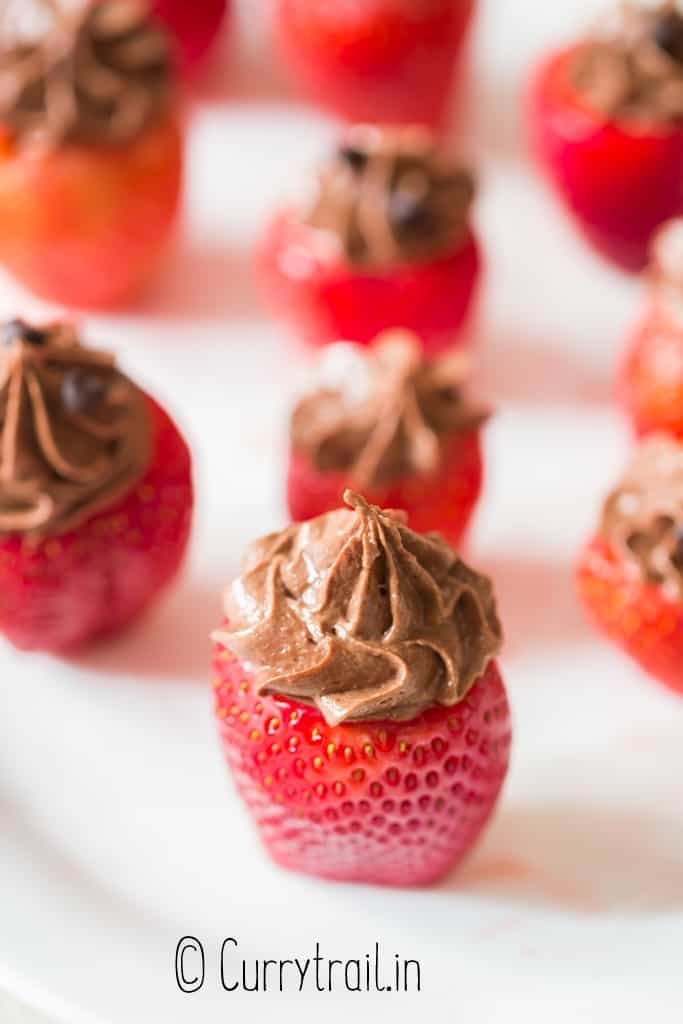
x: 643, y: 517
x: 96, y: 75
x: 360, y: 616
x: 391, y: 196
x: 632, y: 68
x: 384, y: 413
x: 75, y: 433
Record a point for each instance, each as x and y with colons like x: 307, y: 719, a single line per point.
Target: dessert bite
x: 95, y: 491
x: 388, y: 423
x: 607, y: 127
x: 387, y: 242
x: 358, y: 698
x: 630, y: 575
x: 651, y: 374
x: 375, y: 60
x: 90, y: 152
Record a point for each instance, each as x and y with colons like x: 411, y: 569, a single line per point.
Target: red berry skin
x: 194, y: 27
x: 385, y: 61
x: 391, y: 803
x: 443, y: 502
x: 66, y: 591
x: 636, y: 616
x: 326, y: 300
x: 86, y: 226
x: 619, y: 184
x: 650, y: 383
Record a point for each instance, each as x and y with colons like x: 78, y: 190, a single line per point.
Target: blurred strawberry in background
x: 194, y: 24
x: 375, y: 60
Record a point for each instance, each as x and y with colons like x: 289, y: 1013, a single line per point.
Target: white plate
x: 119, y: 830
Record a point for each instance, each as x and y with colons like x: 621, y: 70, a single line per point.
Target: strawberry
x: 444, y: 501
x: 606, y: 133
x: 194, y: 27
x: 373, y: 253
x: 63, y: 588
x: 383, y: 802
x: 373, y: 772
x: 375, y: 60
x: 89, y: 189
x: 630, y: 574
x: 650, y: 387
x: 399, y: 427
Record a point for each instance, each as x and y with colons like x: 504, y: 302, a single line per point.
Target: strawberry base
x: 637, y: 616
x: 379, y: 61
x: 444, y: 502
x: 650, y: 388
x: 380, y: 802
x: 194, y: 27
x: 85, y: 226
x: 326, y: 300
x: 69, y: 590
x: 620, y: 180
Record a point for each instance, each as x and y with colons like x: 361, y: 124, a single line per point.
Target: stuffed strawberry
x: 95, y: 492
x: 194, y: 27
x: 651, y: 377
x: 630, y: 575
x: 375, y: 60
x: 358, y: 700
x: 607, y: 127
x: 384, y: 421
x: 387, y: 242
x: 90, y: 153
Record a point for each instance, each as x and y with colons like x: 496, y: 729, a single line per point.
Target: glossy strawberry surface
x: 443, y: 502
x: 635, y: 615
x: 327, y: 300
x: 85, y: 226
x: 619, y: 180
x: 194, y: 27
x: 651, y: 376
x: 375, y: 60
x: 393, y: 803
x: 68, y: 590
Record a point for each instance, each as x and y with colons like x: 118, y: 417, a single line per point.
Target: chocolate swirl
x: 633, y: 69
x: 362, y: 617
x: 383, y: 414
x: 643, y: 517
x: 75, y: 434
x: 390, y: 196
x: 96, y: 76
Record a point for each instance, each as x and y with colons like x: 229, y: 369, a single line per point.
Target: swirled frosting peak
x: 362, y: 617
x: 75, y: 433
x: 383, y: 413
x: 391, y: 196
x: 632, y: 68
x: 96, y: 75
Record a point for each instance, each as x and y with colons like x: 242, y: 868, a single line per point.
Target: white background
x: 118, y: 829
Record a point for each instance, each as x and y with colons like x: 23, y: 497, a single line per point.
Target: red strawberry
x: 619, y: 176
x: 89, y: 190
x: 358, y: 701
x: 394, y: 803
x: 375, y: 60
x: 194, y: 27
x: 327, y: 300
x: 651, y: 373
x: 637, y: 616
x: 630, y: 575
x: 62, y: 588
x: 444, y: 501
x: 397, y: 426
x: 388, y: 243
